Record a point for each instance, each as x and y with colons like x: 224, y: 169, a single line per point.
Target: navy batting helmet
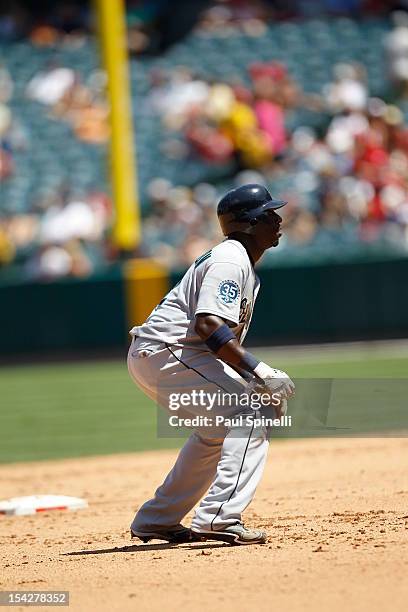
x: 241, y: 209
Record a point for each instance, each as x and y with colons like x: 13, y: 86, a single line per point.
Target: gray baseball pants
x: 223, y: 472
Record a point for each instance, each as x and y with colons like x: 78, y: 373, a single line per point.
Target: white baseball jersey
x: 220, y: 282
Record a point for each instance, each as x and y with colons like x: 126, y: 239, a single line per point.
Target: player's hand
x: 277, y: 381
x: 273, y: 388
x: 286, y: 386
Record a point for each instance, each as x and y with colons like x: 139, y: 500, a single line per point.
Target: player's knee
x: 246, y: 425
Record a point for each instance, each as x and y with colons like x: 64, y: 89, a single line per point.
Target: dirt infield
x: 336, y: 512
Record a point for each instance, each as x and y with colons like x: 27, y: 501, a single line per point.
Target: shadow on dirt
x: 137, y: 548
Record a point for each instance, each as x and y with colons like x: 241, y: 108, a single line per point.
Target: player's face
x: 267, y: 230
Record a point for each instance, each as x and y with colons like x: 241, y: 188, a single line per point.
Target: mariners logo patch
x: 228, y: 292
x: 244, y: 310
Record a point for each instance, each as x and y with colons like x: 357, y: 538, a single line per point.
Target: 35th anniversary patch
x: 228, y: 292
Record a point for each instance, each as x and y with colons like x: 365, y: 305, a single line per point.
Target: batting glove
x: 275, y: 380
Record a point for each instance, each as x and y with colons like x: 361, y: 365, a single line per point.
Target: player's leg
x: 242, y: 458
x: 183, y: 487
x: 242, y: 461
x: 239, y: 471
x: 243, y: 455
x: 158, y: 375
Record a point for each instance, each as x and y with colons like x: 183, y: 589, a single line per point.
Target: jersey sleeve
x: 221, y: 291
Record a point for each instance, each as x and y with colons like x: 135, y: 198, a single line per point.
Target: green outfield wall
x: 304, y: 303
x: 64, y: 315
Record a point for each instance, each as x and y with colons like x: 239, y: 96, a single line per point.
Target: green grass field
x: 65, y: 410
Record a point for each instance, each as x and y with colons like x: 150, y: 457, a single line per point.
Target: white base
x: 31, y: 504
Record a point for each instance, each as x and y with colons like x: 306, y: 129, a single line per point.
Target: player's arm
x: 206, y: 325
x: 219, y: 303
x: 222, y: 341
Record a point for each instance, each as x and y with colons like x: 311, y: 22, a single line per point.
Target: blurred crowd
x: 223, y: 121
x: 45, y: 23
x: 154, y: 24
x: 346, y: 181
x: 62, y: 235
x: 83, y: 106
x: 63, y: 232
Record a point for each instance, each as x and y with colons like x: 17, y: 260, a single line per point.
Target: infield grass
x: 66, y: 410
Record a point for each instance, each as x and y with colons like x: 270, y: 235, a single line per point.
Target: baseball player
x: 193, y: 340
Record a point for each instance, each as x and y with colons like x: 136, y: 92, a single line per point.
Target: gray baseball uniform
x: 167, y: 356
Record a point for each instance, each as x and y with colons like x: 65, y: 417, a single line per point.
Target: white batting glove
x: 275, y: 380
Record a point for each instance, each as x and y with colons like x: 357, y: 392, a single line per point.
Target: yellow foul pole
x: 112, y: 31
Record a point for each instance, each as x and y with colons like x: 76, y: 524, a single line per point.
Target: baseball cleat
x: 174, y: 535
x: 234, y: 535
